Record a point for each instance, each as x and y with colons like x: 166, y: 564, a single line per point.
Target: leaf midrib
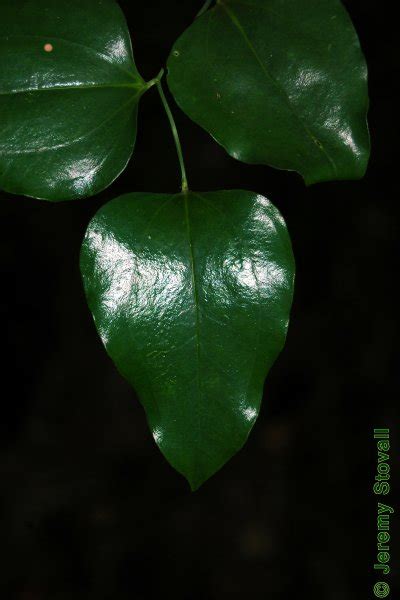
x: 65, y: 88
x: 196, y: 299
x: 89, y: 49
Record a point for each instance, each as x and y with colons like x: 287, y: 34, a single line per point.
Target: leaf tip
x: 195, y: 484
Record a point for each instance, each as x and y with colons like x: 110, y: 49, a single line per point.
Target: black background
x: 90, y: 509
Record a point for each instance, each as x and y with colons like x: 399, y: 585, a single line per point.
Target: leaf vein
x: 74, y: 141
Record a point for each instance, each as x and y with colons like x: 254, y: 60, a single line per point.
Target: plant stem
x: 185, y: 186
x: 205, y: 7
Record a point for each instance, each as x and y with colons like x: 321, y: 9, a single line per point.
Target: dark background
x: 90, y: 509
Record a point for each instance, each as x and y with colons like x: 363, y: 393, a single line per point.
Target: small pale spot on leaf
x: 48, y: 47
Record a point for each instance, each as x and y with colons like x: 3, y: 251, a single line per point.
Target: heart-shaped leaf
x: 69, y: 92
x: 191, y: 296
x: 278, y: 82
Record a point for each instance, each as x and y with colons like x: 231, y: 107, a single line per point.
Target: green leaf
x: 278, y: 82
x: 69, y: 92
x: 191, y: 296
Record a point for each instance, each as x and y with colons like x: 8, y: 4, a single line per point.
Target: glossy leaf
x: 191, y: 296
x: 69, y: 92
x: 278, y: 82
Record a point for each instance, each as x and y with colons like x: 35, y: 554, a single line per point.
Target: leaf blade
x: 171, y: 282
x: 276, y: 83
x: 86, y: 82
